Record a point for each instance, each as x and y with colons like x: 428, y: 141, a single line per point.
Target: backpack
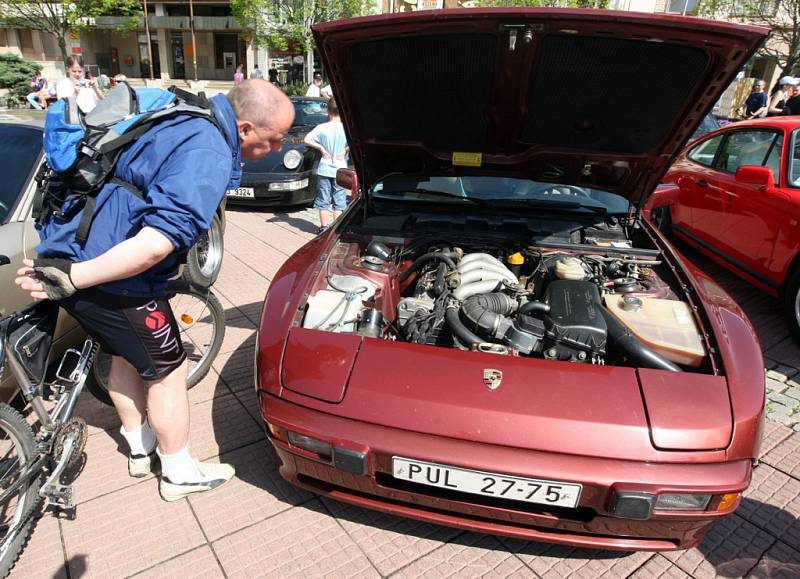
x: 82, y: 149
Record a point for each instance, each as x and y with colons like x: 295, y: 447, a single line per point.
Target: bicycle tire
x: 14, y: 427
x: 97, y: 380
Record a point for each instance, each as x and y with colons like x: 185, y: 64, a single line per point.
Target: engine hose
x: 637, y: 352
x: 439, y: 286
x: 534, y: 308
x: 486, y: 311
x: 422, y: 260
x: 460, y: 331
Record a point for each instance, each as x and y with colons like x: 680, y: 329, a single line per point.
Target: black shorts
x: 141, y: 330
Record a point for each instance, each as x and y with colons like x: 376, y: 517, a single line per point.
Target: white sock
x: 142, y: 440
x: 179, y: 467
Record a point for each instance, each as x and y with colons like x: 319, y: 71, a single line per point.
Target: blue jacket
x: 184, y: 165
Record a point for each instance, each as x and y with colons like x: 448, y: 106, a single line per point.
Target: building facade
x: 219, y: 44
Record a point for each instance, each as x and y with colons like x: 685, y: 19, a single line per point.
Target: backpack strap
x: 197, y: 100
x: 87, y: 216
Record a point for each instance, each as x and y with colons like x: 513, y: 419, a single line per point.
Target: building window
x: 681, y: 6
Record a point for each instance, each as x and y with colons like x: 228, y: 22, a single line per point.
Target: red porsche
x: 735, y: 196
x: 490, y: 337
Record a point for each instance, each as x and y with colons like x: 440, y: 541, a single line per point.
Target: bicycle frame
x: 66, y: 389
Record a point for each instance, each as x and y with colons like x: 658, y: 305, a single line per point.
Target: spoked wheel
x: 17, y: 509
x: 201, y: 321
x: 204, y: 260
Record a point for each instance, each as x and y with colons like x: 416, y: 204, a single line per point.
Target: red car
x: 735, y: 196
x: 490, y: 337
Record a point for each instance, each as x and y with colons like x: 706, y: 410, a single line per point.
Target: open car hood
x: 581, y: 97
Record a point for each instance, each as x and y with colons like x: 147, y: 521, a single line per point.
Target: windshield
x: 499, y: 191
x: 310, y: 112
x: 19, y: 149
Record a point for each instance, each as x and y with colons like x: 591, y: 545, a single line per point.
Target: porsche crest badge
x: 492, y: 378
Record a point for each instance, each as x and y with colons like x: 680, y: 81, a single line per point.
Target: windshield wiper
x: 539, y: 204
x: 431, y: 193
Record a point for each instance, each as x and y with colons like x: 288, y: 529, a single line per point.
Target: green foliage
x: 16, y: 74
x: 782, y: 16
x: 296, y: 88
x: 543, y: 3
x: 284, y: 24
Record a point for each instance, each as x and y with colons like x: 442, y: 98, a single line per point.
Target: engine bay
x: 602, y: 300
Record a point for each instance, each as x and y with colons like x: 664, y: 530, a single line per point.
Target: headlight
x: 292, y: 159
x: 682, y: 502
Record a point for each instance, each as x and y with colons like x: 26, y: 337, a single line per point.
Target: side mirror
x: 756, y: 175
x: 348, y: 179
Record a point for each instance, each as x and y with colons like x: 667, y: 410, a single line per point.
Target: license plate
x: 487, y: 484
x: 242, y: 192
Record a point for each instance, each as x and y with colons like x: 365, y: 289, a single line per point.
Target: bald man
x: 115, y: 283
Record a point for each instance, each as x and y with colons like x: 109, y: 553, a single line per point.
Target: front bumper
x: 588, y: 525
x: 264, y: 195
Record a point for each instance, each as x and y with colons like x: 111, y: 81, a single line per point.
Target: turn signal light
x: 276, y: 431
x: 728, y: 500
x: 311, y: 444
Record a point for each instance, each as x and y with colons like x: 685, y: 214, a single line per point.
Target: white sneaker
x: 212, y: 476
x: 140, y: 465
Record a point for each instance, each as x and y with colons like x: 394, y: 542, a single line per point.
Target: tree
x: 545, y: 3
x: 783, y: 16
x: 59, y: 17
x: 16, y: 74
x: 281, y: 24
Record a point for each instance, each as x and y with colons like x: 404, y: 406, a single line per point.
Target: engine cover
x: 576, y: 325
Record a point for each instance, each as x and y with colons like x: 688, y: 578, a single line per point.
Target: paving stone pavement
x: 259, y: 526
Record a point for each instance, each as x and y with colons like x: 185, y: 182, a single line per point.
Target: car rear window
x: 19, y: 149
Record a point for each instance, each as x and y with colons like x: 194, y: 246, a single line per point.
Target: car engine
x: 596, y: 307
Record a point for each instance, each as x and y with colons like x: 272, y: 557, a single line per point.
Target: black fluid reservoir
x: 371, y: 324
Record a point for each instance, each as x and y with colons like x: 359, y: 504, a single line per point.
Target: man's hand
x: 46, y: 278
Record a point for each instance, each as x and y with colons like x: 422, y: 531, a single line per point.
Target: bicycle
x: 201, y: 321
x: 28, y: 454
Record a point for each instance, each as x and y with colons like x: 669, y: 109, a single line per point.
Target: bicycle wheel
x: 17, y: 451
x: 201, y: 321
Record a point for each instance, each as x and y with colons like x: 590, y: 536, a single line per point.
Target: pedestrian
x: 238, y: 76
x: 792, y: 106
x: 315, y: 88
x: 38, y: 84
x: 756, y: 104
x: 76, y: 84
x: 779, y: 97
x: 256, y: 73
x: 329, y: 139
x: 115, y: 283
x: 273, y: 76
x: 116, y: 79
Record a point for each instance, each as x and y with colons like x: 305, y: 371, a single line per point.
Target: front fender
x: 737, y: 345
x: 285, y: 293
x: 665, y: 195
